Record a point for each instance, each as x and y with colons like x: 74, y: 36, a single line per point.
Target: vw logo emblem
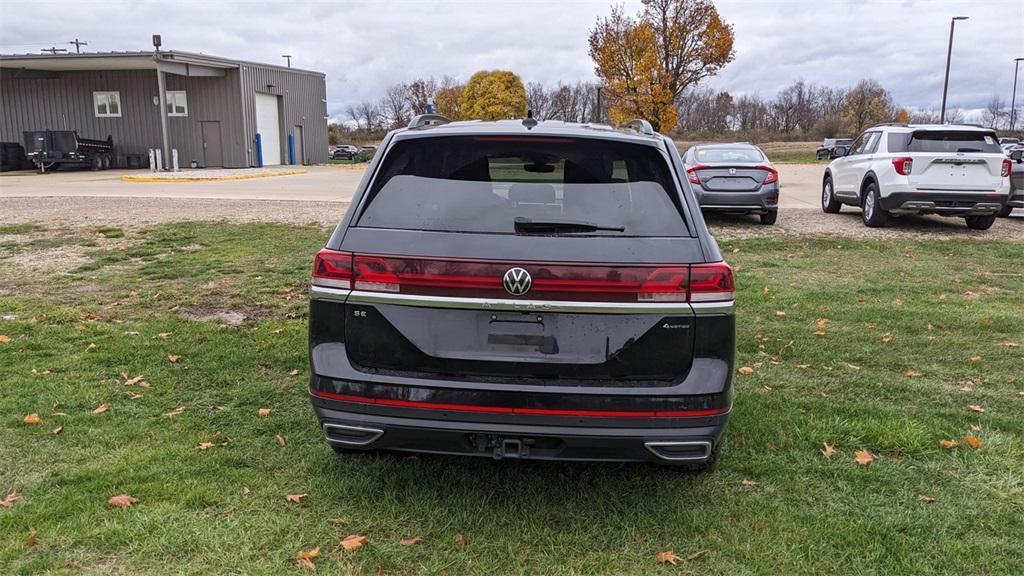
x: 732, y: 171
x: 517, y: 281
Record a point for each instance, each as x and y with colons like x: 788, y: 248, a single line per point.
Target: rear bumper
x: 1017, y: 199
x: 758, y: 202
x: 947, y: 203
x: 673, y: 443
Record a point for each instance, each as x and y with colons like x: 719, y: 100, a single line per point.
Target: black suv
x: 517, y: 289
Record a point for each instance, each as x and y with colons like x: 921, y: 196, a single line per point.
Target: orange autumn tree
x: 647, y: 62
x: 493, y: 95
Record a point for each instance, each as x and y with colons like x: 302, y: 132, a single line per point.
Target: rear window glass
x: 953, y: 141
x: 728, y: 155
x: 486, y: 184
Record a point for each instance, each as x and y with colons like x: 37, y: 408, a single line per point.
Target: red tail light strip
x: 519, y: 410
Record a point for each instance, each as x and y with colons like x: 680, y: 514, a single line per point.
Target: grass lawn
x: 227, y: 302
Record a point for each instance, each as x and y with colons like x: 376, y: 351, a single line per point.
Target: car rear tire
x: 1005, y: 211
x: 769, y: 218
x: 980, y: 222
x: 872, y: 213
x: 829, y: 204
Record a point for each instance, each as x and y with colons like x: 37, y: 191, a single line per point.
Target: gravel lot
x: 70, y: 205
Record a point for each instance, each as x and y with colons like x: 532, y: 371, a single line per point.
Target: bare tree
x: 538, y: 99
x: 995, y: 113
x: 419, y: 93
x: 394, y: 107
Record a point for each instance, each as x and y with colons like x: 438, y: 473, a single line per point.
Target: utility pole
x: 599, y: 104
x: 78, y: 45
x: 287, y: 57
x: 54, y: 50
x: 1013, y: 101
x: 949, y: 54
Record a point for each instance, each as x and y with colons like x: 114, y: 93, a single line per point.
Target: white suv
x: 950, y: 170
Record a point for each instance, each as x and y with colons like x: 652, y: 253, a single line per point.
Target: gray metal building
x: 219, y: 112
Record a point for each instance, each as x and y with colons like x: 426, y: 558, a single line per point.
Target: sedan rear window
x: 525, y: 185
x: 728, y: 155
x: 951, y: 141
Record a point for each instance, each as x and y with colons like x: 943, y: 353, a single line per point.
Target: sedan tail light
x: 903, y: 165
x: 1007, y: 168
x: 773, y: 174
x: 691, y: 173
x: 551, y: 282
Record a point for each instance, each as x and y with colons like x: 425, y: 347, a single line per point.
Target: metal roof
x: 137, y: 60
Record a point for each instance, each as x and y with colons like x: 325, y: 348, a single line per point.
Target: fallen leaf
x: 765, y: 390
x: 121, y: 501
x: 975, y: 359
x: 828, y: 450
x: 353, y: 542
x: 926, y: 499
x: 175, y: 412
x: 304, y: 558
x: 461, y: 540
x: 803, y: 366
x: 853, y: 366
x: 410, y: 541
x: 58, y: 430
x: 911, y: 373
x: 948, y: 444
x: 173, y: 357
x: 4, y: 339
x: 337, y: 521
x: 745, y: 370
x: 102, y: 408
x: 31, y: 537
x: 132, y: 381
x: 821, y: 323
x: 966, y: 389
x: 750, y: 482
x: 897, y: 302
x: 696, y: 555
x: 863, y: 457
x: 973, y: 441
x: 10, y: 499
x: 134, y: 396
x: 91, y: 346
x: 296, y: 498
x: 263, y: 412
x: 780, y: 313
x: 294, y: 373
x: 33, y: 419
x: 280, y: 440
x: 131, y: 333
x: 667, y: 557
x: 205, y: 445
x: 163, y: 335
x: 887, y: 337
x: 1008, y: 344
x: 975, y: 408
x: 58, y: 414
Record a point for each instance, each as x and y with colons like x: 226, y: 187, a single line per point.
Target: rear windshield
x: 728, y: 155
x: 510, y: 185
x: 949, y: 141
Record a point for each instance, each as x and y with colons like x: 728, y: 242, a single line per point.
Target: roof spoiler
x: 640, y: 125
x: 427, y: 120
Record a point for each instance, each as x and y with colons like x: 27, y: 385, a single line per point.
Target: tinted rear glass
x: 953, y: 141
x: 484, y: 184
x: 728, y: 155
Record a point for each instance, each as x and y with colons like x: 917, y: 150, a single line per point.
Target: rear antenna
x: 529, y: 121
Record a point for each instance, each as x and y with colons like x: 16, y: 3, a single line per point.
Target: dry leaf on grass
x: 33, y: 419
x: 173, y: 357
x: 279, y: 439
x: 163, y: 335
x: 667, y: 557
x: 31, y: 538
x: 294, y: 373
x: 410, y: 541
x: 10, y: 499
x: 975, y: 408
x: 863, y: 457
x: 134, y: 396
x: 975, y: 359
x: 887, y: 337
x: 338, y: 521
x: 780, y: 313
x: 263, y: 412
x: 803, y: 366
x: 57, y: 430
x: 175, y: 412
x: 745, y: 370
x: 353, y: 542
x: 121, y: 501
x: 911, y: 373
x: 131, y: 381
x: 102, y: 408
x: 973, y: 441
x: 948, y: 444
x: 91, y: 346
x: 750, y: 482
x: 695, y: 555
x: 828, y: 450
x: 926, y: 499
x: 304, y: 558
x: 461, y: 540
x: 897, y: 302
x: 1008, y: 344
x: 4, y: 339
x: 296, y: 498
x: 205, y: 445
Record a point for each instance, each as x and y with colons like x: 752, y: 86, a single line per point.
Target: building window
x: 177, y: 104
x: 107, y: 104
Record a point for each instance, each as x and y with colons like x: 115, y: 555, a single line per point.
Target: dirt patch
x: 225, y: 317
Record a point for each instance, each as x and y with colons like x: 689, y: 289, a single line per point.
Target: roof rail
x: 427, y: 120
x: 893, y: 124
x: 640, y: 125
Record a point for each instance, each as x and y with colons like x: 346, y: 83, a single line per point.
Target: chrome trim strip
x: 375, y: 434
x: 505, y: 304
x: 325, y: 293
x: 652, y: 445
x: 713, y: 307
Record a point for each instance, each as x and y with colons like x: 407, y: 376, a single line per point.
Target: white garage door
x: 268, y: 125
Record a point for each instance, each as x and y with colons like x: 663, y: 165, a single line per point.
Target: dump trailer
x: 50, y: 148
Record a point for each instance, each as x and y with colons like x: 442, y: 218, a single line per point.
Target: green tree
x: 493, y: 95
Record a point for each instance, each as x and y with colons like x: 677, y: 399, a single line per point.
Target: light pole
x: 1013, y: 100
x: 949, y: 54
x: 287, y: 57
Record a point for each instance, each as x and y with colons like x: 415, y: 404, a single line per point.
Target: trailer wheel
x: 96, y: 163
x: 106, y: 161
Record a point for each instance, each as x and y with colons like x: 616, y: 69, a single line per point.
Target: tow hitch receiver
x: 499, y: 446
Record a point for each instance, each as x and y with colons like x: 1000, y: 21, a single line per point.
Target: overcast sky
x: 366, y: 46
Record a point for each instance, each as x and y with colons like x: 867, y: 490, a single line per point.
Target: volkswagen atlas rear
x: 524, y: 290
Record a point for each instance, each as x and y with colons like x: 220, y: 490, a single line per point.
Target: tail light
x: 691, y: 173
x: 903, y: 165
x: 1007, y: 168
x: 773, y: 174
x: 553, y: 282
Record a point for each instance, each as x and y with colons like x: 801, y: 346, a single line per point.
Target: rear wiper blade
x: 529, y: 226
x: 968, y: 150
